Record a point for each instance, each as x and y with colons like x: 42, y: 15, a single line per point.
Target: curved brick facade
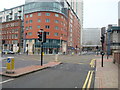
x: 59, y: 26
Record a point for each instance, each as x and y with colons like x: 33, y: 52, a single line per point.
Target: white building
x: 91, y: 37
x: 12, y: 14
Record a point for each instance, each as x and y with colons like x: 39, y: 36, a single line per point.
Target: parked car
x: 7, y: 52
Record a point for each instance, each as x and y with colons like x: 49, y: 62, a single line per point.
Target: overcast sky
x: 97, y: 13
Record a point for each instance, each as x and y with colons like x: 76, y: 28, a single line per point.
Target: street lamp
x: 60, y: 45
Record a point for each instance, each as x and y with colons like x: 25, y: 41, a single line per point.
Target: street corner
x: 53, y: 63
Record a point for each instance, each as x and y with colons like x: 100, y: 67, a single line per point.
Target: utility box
x: 10, y: 65
x: 116, y: 56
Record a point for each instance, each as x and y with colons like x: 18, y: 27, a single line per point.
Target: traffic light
x: 18, y: 44
x: 3, y: 41
x: 40, y: 36
x: 44, y: 37
x: 97, y: 47
x: 102, y: 38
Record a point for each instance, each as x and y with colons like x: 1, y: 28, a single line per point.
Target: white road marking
x: 2, y: 67
x: 6, y: 81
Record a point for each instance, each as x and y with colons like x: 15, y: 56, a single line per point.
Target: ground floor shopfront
x: 52, y: 46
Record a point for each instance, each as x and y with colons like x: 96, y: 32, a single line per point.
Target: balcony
x: 19, y: 16
x: 10, y: 12
x: 19, y: 10
x: 10, y: 17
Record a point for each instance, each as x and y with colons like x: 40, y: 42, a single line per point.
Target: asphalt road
x: 71, y: 74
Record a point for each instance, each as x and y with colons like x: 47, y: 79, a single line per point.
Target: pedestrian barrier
x: 10, y: 64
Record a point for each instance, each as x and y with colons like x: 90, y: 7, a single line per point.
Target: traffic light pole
x: 42, y: 39
x: 102, y: 55
x: 41, y: 53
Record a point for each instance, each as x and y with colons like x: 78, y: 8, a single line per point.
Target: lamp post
x: 24, y: 42
x: 60, y: 45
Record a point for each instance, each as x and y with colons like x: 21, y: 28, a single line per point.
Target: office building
x: 91, y: 38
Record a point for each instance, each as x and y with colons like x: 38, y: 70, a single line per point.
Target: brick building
x: 11, y: 32
x: 59, y: 21
x: 12, y: 28
x: 62, y: 20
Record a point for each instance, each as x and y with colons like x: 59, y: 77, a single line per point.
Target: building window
x: 16, y: 36
x: 38, y: 26
x: 62, y: 17
x: 30, y: 21
x: 56, y: 21
x: 39, y: 20
x: 30, y: 33
x: 26, y: 22
x: 31, y: 15
x: 47, y: 26
x: 26, y: 28
x: 55, y: 34
x: 56, y: 15
x: 39, y: 14
x: 16, y: 16
x: 30, y: 27
x: 47, y: 14
x: 26, y: 16
x: 56, y: 27
x: 47, y: 20
x: 7, y: 18
x: 47, y: 33
x: 15, y: 41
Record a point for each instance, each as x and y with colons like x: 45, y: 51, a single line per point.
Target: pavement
x: 106, y: 76
x: 28, y: 69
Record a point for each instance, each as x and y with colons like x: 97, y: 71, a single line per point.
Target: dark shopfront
x: 50, y: 47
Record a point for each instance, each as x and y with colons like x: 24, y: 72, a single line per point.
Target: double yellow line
x: 92, y: 63
x: 88, y: 80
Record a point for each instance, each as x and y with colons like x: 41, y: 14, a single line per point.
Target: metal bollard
x: 10, y: 65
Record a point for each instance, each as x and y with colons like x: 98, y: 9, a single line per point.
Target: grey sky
x: 100, y: 13
x: 97, y: 13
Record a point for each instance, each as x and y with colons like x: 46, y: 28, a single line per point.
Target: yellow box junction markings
x: 92, y: 63
x: 88, y: 80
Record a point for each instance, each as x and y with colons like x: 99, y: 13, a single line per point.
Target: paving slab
x: 29, y: 69
x: 106, y: 76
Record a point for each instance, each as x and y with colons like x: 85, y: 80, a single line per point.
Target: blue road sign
x: 8, y: 60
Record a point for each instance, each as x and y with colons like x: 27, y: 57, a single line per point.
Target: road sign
x: 8, y: 60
